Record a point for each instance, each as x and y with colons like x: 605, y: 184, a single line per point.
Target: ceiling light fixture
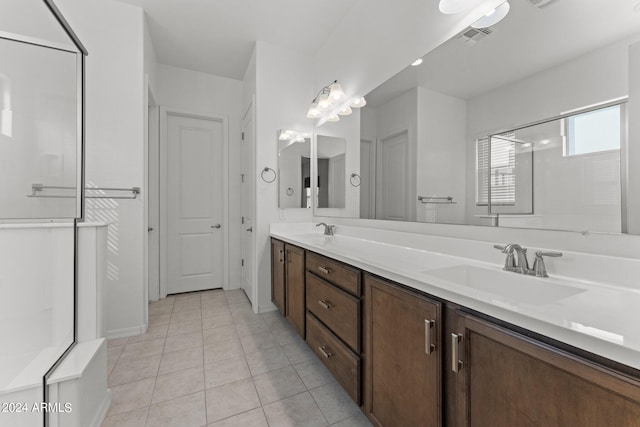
x: 493, y: 16
x: 416, y: 62
x: 293, y: 136
x: 449, y: 7
x: 330, y: 103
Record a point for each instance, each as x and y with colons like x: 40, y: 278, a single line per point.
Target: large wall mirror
x: 294, y: 169
x: 529, y: 123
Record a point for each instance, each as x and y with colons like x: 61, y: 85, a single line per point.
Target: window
x: 502, y: 174
x: 593, y: 131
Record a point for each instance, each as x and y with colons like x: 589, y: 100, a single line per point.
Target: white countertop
x: 596, y: 316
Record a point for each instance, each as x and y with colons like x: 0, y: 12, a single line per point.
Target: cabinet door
x: 505, y: 379
x: 277, y: 275
x: 402, y: 356
x: 295, y: 299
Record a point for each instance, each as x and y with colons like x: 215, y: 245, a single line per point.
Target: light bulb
x: 345, y: 111
x: 323, y: 102
x: 313, y: 112
x: 359, y: 102
x: 333, y: 118
x: 285, y: 135
x: 493, y: 17
x: 449, y: 7
x: 336, y: 93
x: 416, y: 62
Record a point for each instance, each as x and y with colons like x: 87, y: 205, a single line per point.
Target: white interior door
x: 153, y: 198
x: 393, y: 183
x: 247, y: 204
x: 195, y: 203
x: 367, y: 179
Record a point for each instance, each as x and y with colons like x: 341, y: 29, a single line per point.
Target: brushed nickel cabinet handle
x: 327, y: 354
x: 324, y: 303
x: 429, y: 347
x: 456, y: 363
x: 325, y: 270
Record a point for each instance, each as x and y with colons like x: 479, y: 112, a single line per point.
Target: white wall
x: 441, y: 146
x: 114, y: 35
x: 595, y: 77
x: 633, y: 167
x: 206, y: 94
x: 284, y: 88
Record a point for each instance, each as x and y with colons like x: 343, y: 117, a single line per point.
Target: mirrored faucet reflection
x: 328, y: 229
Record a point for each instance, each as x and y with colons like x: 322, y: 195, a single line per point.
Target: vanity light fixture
x: 416, y: 62
x: 449, y: 7
x: 493, y: 16
x: 330, y: 103
x: 293, y: 136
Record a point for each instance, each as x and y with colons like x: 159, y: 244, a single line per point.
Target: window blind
x: 502, y: 173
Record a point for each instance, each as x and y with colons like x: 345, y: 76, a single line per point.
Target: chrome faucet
x: 328, y: 229
x: 522, y: 265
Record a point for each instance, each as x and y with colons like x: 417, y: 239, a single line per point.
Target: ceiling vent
x: 540, y: 4
x: 471, y: 36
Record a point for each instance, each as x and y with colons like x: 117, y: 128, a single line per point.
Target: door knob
x: 216, y: 226
x: 250, y: 229
x: 149, y: 228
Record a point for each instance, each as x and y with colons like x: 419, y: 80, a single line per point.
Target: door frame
x: 252, y: 165
x: 165, y: 112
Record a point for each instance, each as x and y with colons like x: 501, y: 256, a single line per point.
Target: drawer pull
x: 325, y: 304
x: 456, y: 363
x: 327, y: 354
x: 325, y: 270
x: 428, y: 346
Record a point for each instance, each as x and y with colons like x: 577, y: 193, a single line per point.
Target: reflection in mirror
x: 331, y: 178
x: 500, y: 127
x: 294, y: 169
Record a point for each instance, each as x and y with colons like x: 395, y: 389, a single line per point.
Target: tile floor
x: 208, y: 360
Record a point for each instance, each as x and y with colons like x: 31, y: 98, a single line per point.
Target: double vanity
x: 421, y: 333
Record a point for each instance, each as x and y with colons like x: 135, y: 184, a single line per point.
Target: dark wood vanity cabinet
x: 403, y: 357
x: 295, y: 287
x: 505, y: 379
x: 277, y: 275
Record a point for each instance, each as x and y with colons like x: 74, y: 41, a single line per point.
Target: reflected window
x: 594, y: 131
x: 501, y: 176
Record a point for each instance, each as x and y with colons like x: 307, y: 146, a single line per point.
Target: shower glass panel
x: 39, y: 131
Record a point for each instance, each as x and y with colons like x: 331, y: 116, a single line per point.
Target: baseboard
x: 127, y: 332
x: 101, y: 413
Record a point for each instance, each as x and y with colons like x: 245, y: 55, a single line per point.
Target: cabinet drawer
x: 337, y: 309
x: 344, y: 276
x: 342, y: 362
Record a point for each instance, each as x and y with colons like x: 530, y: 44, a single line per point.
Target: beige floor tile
x: 159, y: 319
x: 178, y: 384
x: 222, y: 350
x: 295, y: 411
x: 187, y: 297
x: 246, y: 317
x: 231, y: 399
x: 215, y: 305
x: 298, y: 351
x: 226, y: 371
x: 267, y: 360
x: 142, y: 350
x: 134, y: 418
x: 285, y: 336
x: 131, y: 396
x: 313, y: 373
x: 179, y: 360
x: 259, y: 342
x: 161, y: 307
x: 187, y: 327
x: 183, y: 316
x: 253, y: 328
x: 253, y: 418
x: 277, y: 385
x: 221, y: 333
x: 113, y: 353
x: 153, y: 333
x: 186, y: 411
x: 358, y: 420
x: 127, y: 371
x: 210, y: 321
x: 334, y: 402
x: 236, y: 296
x: 182, y: 342
x: 117, y: 342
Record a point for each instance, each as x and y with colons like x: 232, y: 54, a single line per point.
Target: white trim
x: 253, y: 165
x: 101, y: 413
x: 126, y: 332
x: 165, y: 112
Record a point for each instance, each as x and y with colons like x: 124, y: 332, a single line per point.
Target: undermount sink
x: 511, y: 288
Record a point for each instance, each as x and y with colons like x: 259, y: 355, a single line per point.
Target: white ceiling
x: 217, y: 36
x: 527, y: 41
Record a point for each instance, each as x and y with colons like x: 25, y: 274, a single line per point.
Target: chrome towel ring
x: 267, y: 170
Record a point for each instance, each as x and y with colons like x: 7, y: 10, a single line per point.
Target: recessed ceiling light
x: 416, y: 62
x: 493, y: 17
